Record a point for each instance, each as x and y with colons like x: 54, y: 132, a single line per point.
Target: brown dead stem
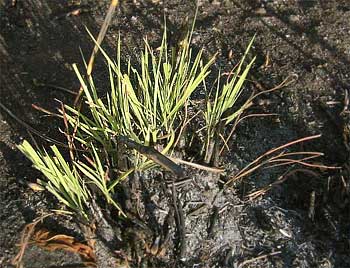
x: 246, y: 262
x: 25, y: 237
x: 99, y: 40
x: 70, y: 138
x: 51, y: 242
x: 287, y: 81
x: 280, y: 180
x: 276, y: 157
x: 267, y: 158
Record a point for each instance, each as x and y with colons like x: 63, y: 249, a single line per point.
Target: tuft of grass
x: 145, y: 105
x: 63, y: 180
x: 69, y: 183
x: 145, y: 101
x: 220, y: 110
x: 97, y: 174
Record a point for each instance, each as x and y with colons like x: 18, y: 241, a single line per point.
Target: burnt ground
x: 308, y: 40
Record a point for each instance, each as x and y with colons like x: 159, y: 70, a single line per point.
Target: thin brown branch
x: 66, y: 133
x: 300, y: 162
x: 280, y: 180
x: 25, y: 237
x: 45, y: 111
x: 99, y: 40
x: 239, y: 119
x: 31, y: 129
x: 255, y: 164
x: 197, y: 166
x: 244, y: 263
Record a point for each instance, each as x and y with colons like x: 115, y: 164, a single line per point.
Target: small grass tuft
x: 63, y: 180
x: 220, y: 111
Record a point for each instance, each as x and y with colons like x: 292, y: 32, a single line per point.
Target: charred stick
x: 212, y: 222
x: 180, y: 223
x: 152, y: 154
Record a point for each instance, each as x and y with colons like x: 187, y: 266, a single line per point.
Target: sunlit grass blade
x: 220, y: 110
x: 62, y: 181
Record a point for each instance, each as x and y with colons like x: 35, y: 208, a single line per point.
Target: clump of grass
x: 63, y: 180
x: 220, y: 111
x: 144, y: 105
x: 145, y: 101
x: 69, y: 182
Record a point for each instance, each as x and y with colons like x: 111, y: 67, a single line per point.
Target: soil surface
x: 308, y: 41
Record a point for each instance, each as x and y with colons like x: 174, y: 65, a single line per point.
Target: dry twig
x: 99, y: 40
x: 25, y: 237
x: 244, y: 263
x: 280, y: 180
x: 282, y: 158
